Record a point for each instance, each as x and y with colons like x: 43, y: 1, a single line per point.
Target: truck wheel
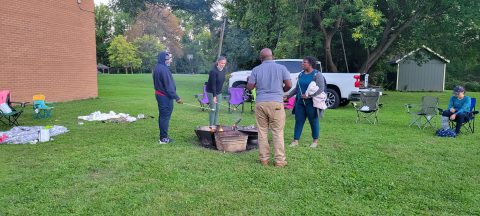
x: 247, y: 92
x: 333, y: 100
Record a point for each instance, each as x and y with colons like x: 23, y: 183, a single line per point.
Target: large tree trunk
x: 328, y: 42
x: 328, y: 54
x: 389, y: 36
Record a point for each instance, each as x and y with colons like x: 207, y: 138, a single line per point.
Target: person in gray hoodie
x: 165, y: 93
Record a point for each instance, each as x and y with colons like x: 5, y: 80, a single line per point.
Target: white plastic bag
x: 365, y: 108
x: 444, y: 121
x: 44, y: 135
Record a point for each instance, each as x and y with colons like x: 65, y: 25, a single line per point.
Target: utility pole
x: 221, y: 38
x: 344, y: 54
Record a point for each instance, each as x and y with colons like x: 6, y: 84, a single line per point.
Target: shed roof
x: 425, y: 48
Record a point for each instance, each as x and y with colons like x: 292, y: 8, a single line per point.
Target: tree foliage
x: 148, y: 48
x: 160, y: 18
x: 266, y: 21
x: 108, y: 24
x: 103, y: 31
x: 123, y: 54
x: 374, y: 31
x: 201, y: 9
x: 380, y: 28
x: 238, y: 49
x: 121, y: 22
x: 160, y: 22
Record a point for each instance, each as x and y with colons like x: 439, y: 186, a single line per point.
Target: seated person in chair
x: 458, y: 107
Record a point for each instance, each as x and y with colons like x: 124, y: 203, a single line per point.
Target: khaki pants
x: 270, y: 115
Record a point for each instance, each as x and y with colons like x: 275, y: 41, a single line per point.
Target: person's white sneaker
x: 293, y: 144
x: 314, y: 145
x: 165, y: 141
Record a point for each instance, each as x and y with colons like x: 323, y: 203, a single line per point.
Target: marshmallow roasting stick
x: 234, y: 108
x: 198, y: 106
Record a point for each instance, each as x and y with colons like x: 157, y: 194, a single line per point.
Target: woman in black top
x: 216, y: 78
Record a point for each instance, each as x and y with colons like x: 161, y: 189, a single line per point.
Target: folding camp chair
x: 203, y: 99
x: 469, y: 123
x: 427, y: 111
x: 8, y: 114
x: 236, y: 98
x: 370, y: 105
x: 41, y: 108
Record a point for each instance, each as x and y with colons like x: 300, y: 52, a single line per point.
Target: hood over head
x: 162, y: 57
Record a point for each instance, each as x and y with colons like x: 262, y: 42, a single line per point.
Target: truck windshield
x: 292, y: 66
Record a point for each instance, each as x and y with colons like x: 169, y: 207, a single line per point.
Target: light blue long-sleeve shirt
x: 460, y: 106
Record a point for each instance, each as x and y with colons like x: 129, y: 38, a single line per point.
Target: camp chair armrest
x: 22, y: 104
x: 408, y: 107
x: 354, y: 105
x: 197, y: 95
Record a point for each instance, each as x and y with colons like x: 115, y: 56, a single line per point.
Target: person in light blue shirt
x: 271, y: 81
x: 458, y: 107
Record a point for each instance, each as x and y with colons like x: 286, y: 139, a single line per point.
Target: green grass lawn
x: 120, y: 169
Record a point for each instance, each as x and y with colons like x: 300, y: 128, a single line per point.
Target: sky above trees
x: 98, y: 2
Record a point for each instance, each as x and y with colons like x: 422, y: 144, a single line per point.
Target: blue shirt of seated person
x: 458, y: 107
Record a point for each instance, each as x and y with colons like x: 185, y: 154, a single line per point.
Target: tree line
x: 346, y: 35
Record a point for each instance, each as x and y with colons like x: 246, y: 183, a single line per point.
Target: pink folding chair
x: 8, y: 114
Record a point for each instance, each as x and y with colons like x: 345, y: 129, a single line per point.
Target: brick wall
x: 48, y: 47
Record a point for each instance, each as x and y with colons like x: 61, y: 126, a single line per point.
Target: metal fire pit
x: 252, y: 133
x: 231, y: 141
x: 206, y: 135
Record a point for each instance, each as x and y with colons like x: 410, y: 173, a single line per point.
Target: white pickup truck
x: 341, y: 87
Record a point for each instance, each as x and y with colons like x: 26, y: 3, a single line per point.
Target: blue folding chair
x: 41, y: 108
x: 469, y: 124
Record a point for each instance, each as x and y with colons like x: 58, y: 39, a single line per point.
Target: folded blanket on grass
x: 24, y: 135
x: 99, y: 116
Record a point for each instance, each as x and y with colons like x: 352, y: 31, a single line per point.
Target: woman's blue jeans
x: 302, y: 112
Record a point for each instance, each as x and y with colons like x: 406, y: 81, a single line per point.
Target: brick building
x: 48, y: 47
